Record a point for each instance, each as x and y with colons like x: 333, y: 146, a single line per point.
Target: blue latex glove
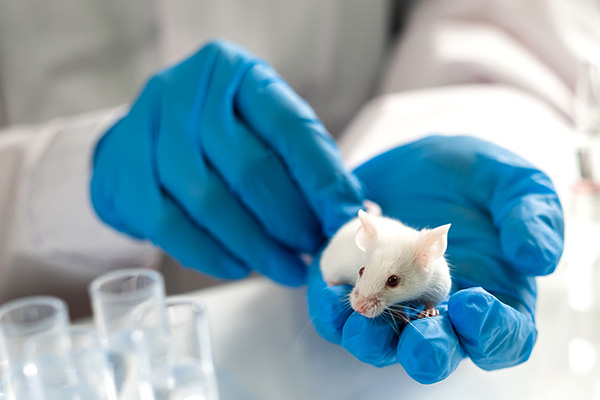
x: 222, y: 165
x: 507, y: 227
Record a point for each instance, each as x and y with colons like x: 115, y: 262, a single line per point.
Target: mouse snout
x: 367, y: 306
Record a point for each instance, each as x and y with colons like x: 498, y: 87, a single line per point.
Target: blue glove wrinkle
x: 493, y: 334
x: 177, y: 234
x: 100, y: 188
x: 330, y: 312
x: 295, y: 133
x: 520, y: 194
x: 395, y: 188
x: 248, y: 241
x: 525, y: 304
x: 475, y: 271
x: 429, y: 350
x: 532, y: 234
x: 475, y: 164
x: 371, y: 340
x: 251, y: 168
x: 112, y: 181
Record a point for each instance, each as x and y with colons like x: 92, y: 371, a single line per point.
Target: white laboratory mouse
x: 388, y: 263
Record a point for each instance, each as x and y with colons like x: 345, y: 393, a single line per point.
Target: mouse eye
x: 393, y: 281
x: 360, y: 271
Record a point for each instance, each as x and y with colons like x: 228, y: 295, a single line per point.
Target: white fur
x: 416, y: 257
x: 342, y: 259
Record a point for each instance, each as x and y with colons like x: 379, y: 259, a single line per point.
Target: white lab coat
x: 51, y: 241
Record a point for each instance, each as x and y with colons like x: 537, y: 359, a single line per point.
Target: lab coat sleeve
x: 51, y: 241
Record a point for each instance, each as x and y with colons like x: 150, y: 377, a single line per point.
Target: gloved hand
x: 222, y: 165
x: 507, y: 227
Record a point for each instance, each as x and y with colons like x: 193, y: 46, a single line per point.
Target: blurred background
x: 65, y: 57
x: 66, y: 66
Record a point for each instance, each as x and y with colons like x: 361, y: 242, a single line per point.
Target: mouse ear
x: 366, y: 235
x: 432, y: 244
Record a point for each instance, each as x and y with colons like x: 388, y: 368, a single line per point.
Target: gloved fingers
x: 429, y: 350
x: 532, y: 233
x: 522, y: 202
x: 121, y: 176
x: 210, y: 204
x: 520, y: 199
x: 263, y: 185
x: 177, y: 235
x: 329, y: 309
x: 248, y: 166
x: 493, y: 334
x: 328, y: 306
x: 371, y: 340
x: 116, y: 193
x: 287, y: 124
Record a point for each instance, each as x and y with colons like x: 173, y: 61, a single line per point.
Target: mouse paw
x: 430, y: 312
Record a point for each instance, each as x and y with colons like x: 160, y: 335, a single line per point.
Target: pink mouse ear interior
x: 432, y: 244
x: 366, y: 235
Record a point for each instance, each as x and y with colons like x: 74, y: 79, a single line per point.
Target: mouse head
x: 398, y: 265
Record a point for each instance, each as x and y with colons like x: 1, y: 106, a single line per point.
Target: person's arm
x: 51, y: 241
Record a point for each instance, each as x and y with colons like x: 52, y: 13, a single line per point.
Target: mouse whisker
x: 403, y: 307
x: 391, y: 320
x: 387, y: 317
x: 310, y: 322
x: 347, y: 307
x: 411, y: 323
x: 397, y: 314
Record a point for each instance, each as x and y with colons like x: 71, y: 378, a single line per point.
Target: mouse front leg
x: 429, y: 311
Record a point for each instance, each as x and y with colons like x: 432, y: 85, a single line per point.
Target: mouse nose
x: 365, y: 306
x: 361, y: 308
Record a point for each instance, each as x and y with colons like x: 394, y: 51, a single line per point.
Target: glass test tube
x: 68, y: 367
x: 20, y: 321
x: 130, y: 314
x: 193, y: 372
